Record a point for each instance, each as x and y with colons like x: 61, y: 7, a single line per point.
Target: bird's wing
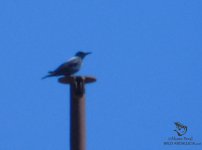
x: 68, y: 66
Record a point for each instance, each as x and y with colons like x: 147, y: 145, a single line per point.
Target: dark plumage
x: 70, y: 67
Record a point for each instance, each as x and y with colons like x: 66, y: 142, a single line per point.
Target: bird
x: 70, y: 67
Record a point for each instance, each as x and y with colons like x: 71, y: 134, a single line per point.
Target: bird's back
x: 70, y: 67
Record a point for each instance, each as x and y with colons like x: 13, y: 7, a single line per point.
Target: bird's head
x: 82, y: 54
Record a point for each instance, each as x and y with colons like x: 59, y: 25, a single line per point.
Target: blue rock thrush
x: 70, y: 67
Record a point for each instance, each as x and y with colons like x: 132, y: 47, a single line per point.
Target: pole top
x: 72, y: 79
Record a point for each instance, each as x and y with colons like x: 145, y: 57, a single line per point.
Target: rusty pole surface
x: 77, y: 110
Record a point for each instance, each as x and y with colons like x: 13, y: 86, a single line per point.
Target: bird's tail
x: 51, y: 74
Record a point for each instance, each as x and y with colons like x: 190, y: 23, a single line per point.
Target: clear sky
x: 146, y: 58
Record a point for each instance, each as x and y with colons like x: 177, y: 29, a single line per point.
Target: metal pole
x: 77, y: 110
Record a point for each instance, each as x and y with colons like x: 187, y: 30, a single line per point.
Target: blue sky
x: 146, y: 58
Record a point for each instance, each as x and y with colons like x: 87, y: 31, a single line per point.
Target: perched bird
x: 70, y: 67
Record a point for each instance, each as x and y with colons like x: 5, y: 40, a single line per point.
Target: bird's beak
x: 88, y: 53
